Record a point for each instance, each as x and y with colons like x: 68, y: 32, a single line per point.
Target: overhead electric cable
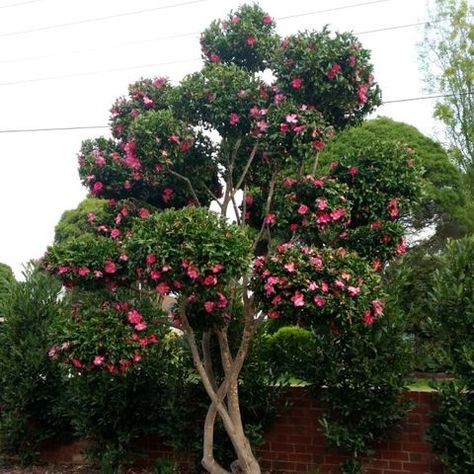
x: 19, y: 4
x: 102, y: 18
x: 85, y: 127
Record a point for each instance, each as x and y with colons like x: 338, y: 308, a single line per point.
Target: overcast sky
x: 59, y: 69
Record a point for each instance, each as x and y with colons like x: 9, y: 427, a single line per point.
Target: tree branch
x: 187, y: 180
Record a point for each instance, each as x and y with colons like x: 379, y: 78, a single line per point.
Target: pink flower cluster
x: 302, y: 282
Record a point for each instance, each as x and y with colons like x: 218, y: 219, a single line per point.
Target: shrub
x: 29, y: 385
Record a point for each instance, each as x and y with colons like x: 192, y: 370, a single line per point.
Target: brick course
x: 295, y: 443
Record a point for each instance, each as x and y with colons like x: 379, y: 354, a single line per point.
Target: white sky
x: 38, y: 171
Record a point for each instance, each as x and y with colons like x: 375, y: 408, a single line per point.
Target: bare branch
x: 247, y: 166
x: 188, y: 182
x: 268, y: 205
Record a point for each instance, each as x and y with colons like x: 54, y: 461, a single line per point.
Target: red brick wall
x: 295, y: 444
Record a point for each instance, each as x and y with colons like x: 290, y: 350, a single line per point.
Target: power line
x: 97, y: 19
x: 53, y: 129
x: 19, y: 4
x: 344, y: 7
x: 95, y: 73
x: 112, y: 70
x: 87, y: 127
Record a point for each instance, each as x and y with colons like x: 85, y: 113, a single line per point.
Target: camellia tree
x: 304, y: 245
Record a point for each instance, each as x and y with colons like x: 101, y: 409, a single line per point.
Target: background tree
x: 160, y: 172
x: 447, y: 54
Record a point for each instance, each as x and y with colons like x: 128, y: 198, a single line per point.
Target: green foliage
x: 360, y: 374
x: 411, y: 279
x: 6, y: 279
x: 452, y: 304
x: 29, y: 385
x: 246, y: 39
x: 114, y: 410
x: 330, y: 71
x: 74, y: 222
x: 443, y: 199
x: 452, y: 431
x: 446, y: 55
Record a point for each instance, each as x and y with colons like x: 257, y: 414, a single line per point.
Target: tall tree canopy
x: 305, y: 247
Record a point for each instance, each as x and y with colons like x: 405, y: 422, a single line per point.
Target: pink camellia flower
x: 401, y: 247
x: 234, y: 20
x: 136, y: 357
x: 98, y: 274
x: 289, y: 182
x: 143, y: 341
x: 114, y: 233
x: 319, y: 301
x: 324, y: 287
x: 318, y: 145
x: 98, y: 360
x: 368, y: 317
x: 333, y: 71
x: 267, y: 20
x: 90, y: 216
x: 303, y: 209
x: 313, y: 286
x: 218, y: 267
x: 134, y: 317
x: 298, y: 299
x: 293, y: 227
x: 192, y: 272
x: 162, y: 288
x: 353, y: 291
x: 147, y: 102
x: 234, y: 118
x: 63, y: 269
x: 316, y: 262
x: 353, y: 171
x: 284, y: 127
x: 83, y: 271
x: 143, y: 212
x: 362, y: 93
x: 215, y: 58
x: 296, y: 83
x: 110, y: 267
x: 273, y: 314
x: 210, y: 280
x: 140, y: 326
x: 376, y: 224
x: 298, y: 128
x: 279, y: 98
x: 152, y: 339
x: 269, y: 219
x: 337, y: 214
x: 159, y: 82
x: 77, y: 363
x: 97, y: 187
x: 209, y: 306
x: 150, y: 259
x: 155, y: 275
x: 134, y: 113
x: 290, y: 267
x: 254, y: 111
x: 284, y: 43
x: 352, y: 61
x: 323, y: 218
x: 251, y: 41
x: 321, y: 204
x: 53, y: 351
x: 127, y: 185
x: 376, y: 265
x: 222, y: 302
x: 291, y: 118
x: 339, y: 284
x: 277, y: 300
x: 392, y: 207
x: 103, y: 228
x: 378, y: 307
x: 100, y: 161
x: 166, y: 195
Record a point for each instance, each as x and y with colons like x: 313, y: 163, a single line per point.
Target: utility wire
x: 102, y: 18
x: 87, y: 127
x: 344, y: 7
x: 19, y: 4
x: 112, y: 70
